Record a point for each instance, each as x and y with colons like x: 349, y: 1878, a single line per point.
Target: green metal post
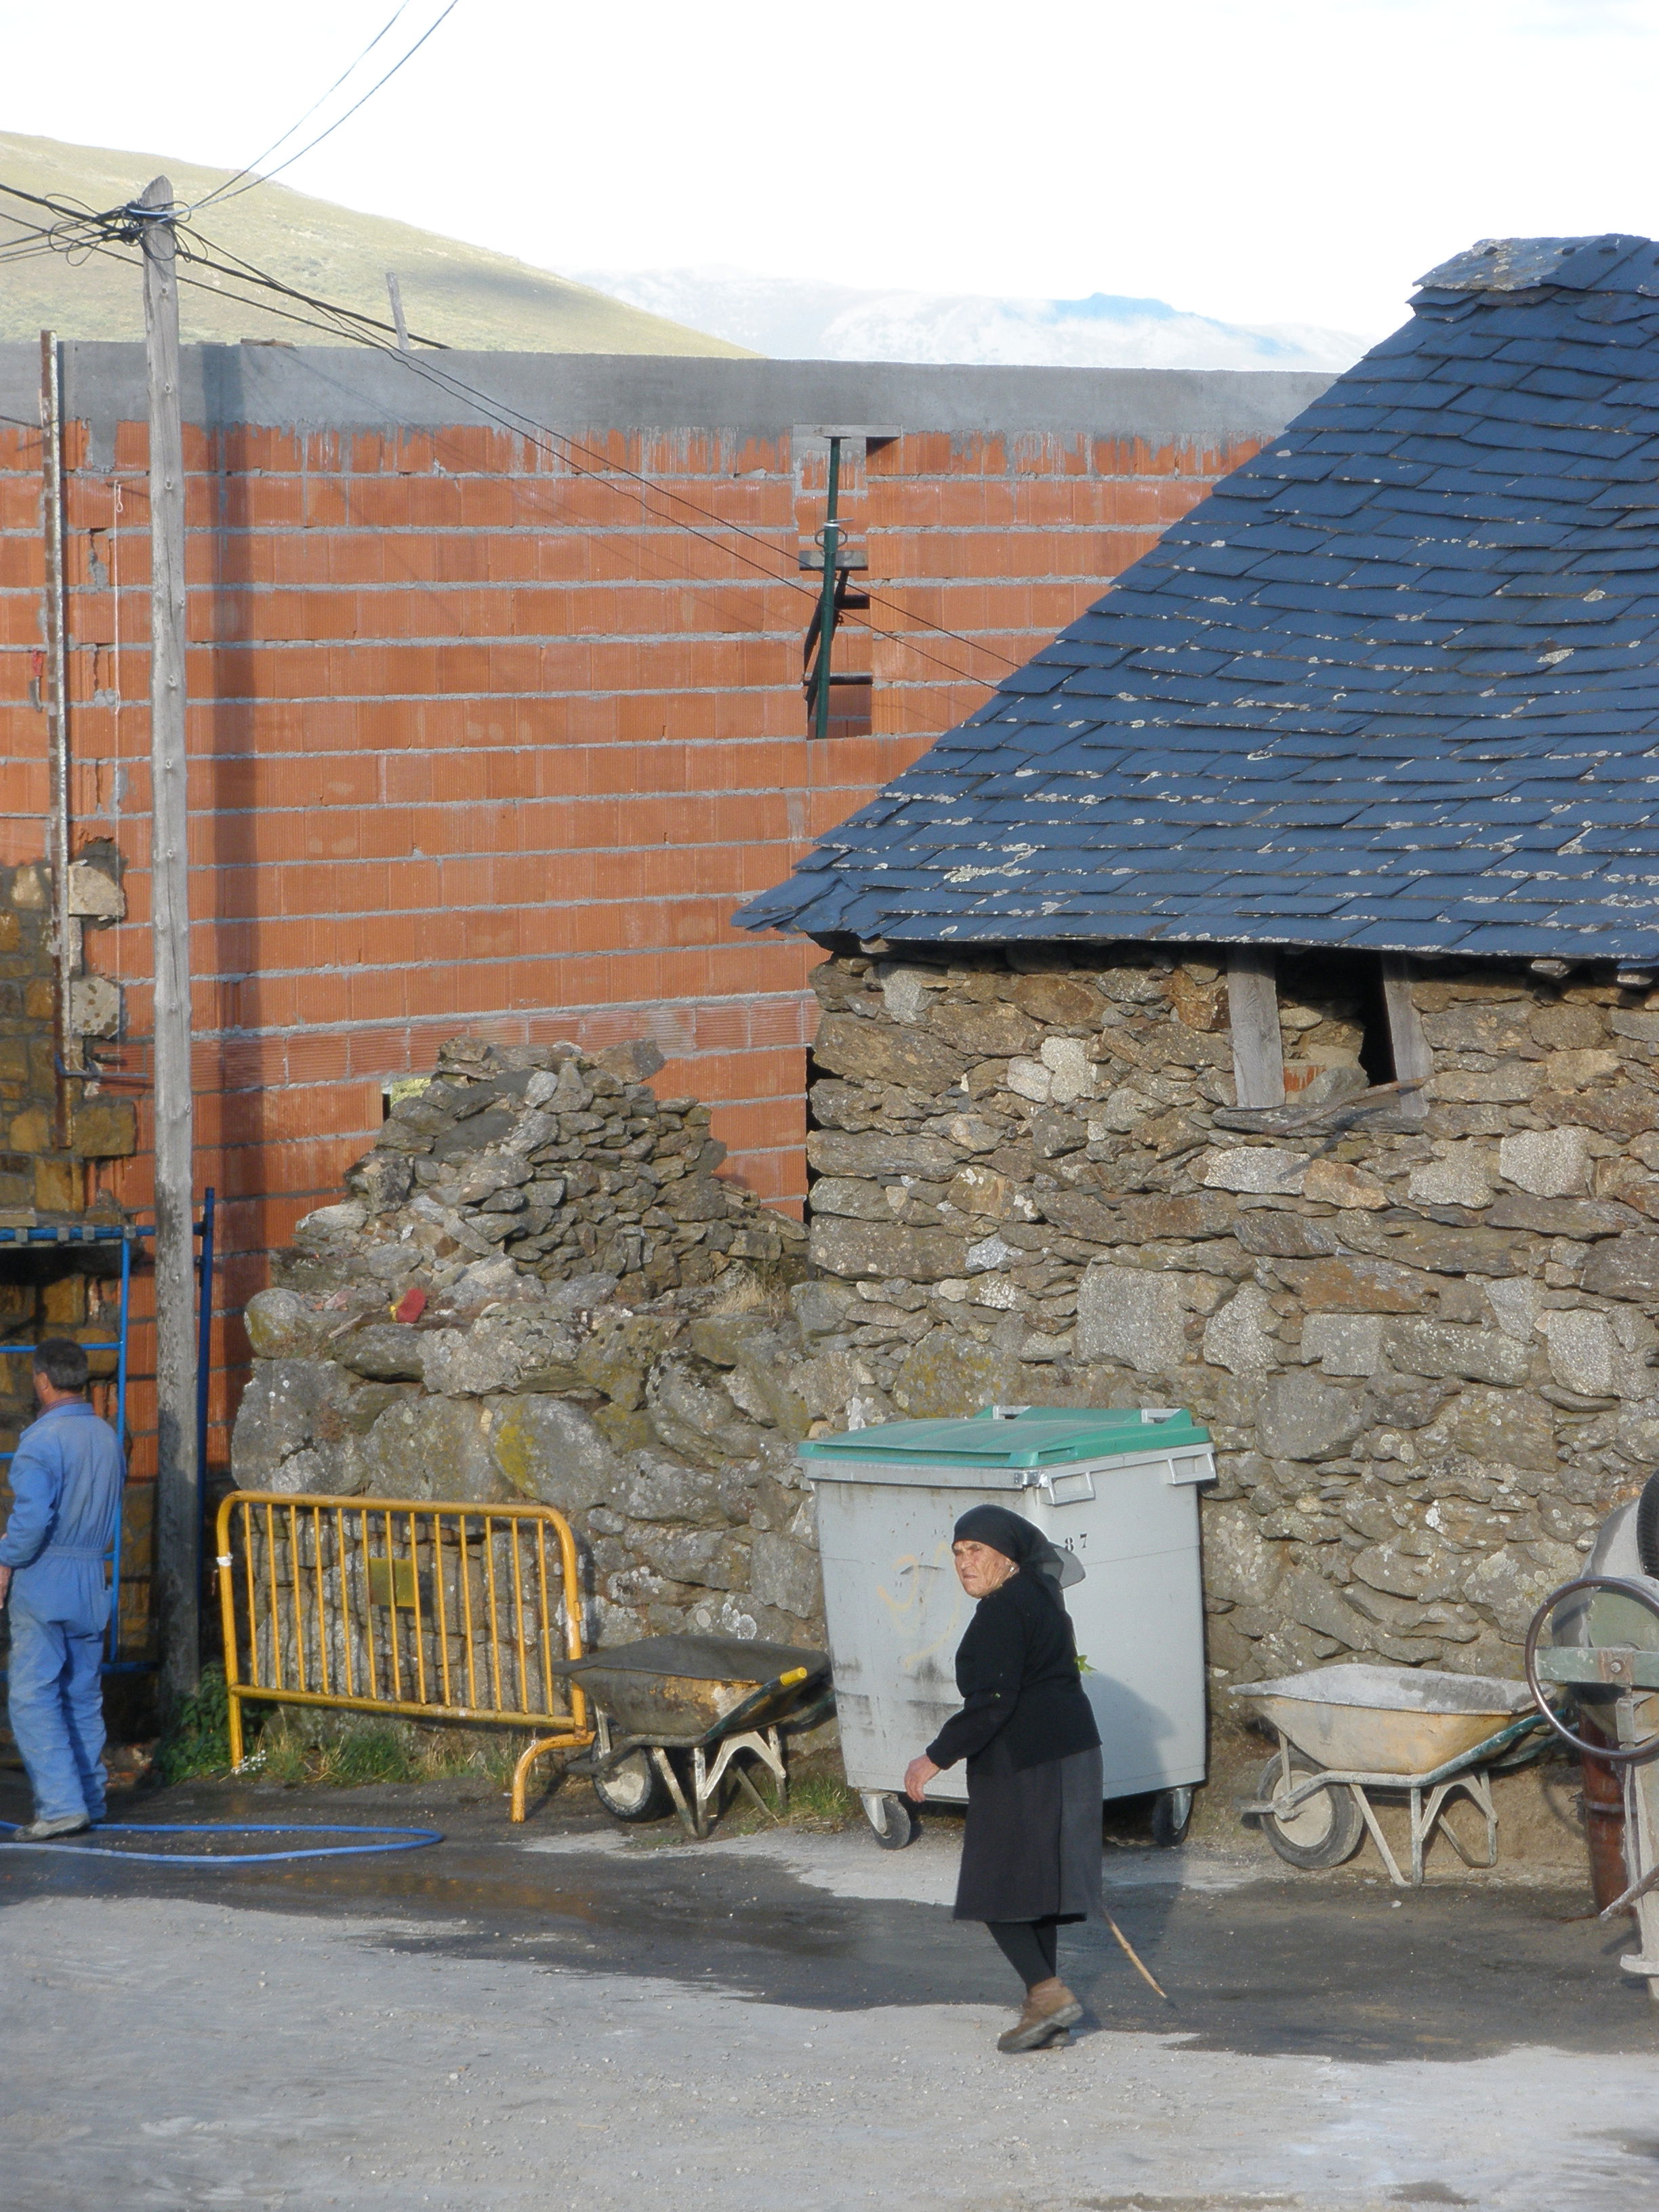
x: 827, y: 606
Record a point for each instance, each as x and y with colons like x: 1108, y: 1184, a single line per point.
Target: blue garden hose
x: 399, y: 1839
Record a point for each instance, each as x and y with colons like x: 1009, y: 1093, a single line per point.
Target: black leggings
x: 1031, y: 1947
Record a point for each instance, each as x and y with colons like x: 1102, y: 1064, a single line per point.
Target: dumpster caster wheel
x: 891, y: 1817
x: 1324, y: 1830
x: 1172, y: 1811
x: 633, y: 1790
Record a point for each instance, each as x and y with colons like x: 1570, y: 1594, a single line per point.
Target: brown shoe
x: 1048, y: 2010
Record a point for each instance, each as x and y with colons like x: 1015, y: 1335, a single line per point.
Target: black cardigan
x: 1017, y: 1671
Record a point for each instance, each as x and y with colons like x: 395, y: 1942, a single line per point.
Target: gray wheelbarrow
x: 1345, y: 1731
x: 672, y: 1714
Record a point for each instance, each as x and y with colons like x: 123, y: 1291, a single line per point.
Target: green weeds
x: 198, y: 1743
x: 296, y: 1748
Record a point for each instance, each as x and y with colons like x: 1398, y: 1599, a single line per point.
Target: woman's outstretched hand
x: 917, y: 1776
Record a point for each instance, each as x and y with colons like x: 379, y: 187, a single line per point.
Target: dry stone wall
x: 540, y: 1289
x: 1421, y: 1329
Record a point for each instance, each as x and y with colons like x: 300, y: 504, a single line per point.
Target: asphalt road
x: 564, y: 2014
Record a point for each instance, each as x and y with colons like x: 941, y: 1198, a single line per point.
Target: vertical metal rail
x: 827, y: 602
x: 321, y: 1600
x: 578, y: 1724
x: 442, y: 1605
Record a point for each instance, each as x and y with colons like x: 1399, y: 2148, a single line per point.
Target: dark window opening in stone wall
x: 1332, y: 1016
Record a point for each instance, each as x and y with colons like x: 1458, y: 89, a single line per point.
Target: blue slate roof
x: 1393, y: 684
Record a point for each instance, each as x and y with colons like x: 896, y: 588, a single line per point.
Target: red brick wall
x: 483, y: 741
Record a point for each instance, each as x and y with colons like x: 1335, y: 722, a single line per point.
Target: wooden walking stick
x: 1134, y: 1957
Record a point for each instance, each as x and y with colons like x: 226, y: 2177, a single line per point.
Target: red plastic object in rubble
x: 410, y: 1306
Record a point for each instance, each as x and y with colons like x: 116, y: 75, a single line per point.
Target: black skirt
x: 1032, y: 1850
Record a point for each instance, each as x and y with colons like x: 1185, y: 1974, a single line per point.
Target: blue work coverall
x: 66, y: 1488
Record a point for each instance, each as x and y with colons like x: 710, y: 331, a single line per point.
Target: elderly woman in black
x: 1031, y: 1854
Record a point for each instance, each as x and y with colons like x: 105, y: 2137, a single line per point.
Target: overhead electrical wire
x: 100, y: 234
x: 526, y: 426
x: 251, y: 167
x: 36, y: 199
x: 609, y: 467
x: 606, y: 468
x: 225, y: 193
x: 332, y: 329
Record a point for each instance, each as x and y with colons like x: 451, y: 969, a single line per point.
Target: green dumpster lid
x: 1035, y: 1435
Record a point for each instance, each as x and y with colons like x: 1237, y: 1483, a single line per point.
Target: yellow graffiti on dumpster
x: 926, y: 1609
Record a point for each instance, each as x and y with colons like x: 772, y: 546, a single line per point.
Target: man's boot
x: 1049, y: 2010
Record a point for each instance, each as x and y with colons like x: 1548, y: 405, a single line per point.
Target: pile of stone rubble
x: 540, y: 1289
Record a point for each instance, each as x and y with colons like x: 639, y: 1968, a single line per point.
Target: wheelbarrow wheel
x: 1324, y: 1830
x: 633, y: 1790
x: 892, y: 1819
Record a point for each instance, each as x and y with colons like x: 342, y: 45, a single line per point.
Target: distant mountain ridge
x: 462, y: 295
x: 798, y: 319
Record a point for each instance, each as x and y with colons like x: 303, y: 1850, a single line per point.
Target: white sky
x: 1258, y: 160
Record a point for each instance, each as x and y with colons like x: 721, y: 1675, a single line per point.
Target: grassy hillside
x: 461, y: 295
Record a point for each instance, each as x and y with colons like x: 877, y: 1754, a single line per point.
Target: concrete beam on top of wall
x: 336, y: 388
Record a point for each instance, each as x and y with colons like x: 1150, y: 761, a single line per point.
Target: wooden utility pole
x: 178, y: 1505
x: 394, y: 292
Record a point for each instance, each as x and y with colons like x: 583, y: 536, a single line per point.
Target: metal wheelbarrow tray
x: 705, y: 1697
x: 1344, y: 1731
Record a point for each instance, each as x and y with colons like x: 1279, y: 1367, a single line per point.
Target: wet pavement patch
x: 1287, y: 1967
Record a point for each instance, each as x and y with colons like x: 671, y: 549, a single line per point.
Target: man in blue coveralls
x: 65, y: 1488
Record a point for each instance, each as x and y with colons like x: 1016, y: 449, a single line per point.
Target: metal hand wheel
x: 1614, y: 1585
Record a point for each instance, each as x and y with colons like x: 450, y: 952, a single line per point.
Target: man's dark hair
x: 63, y: 1361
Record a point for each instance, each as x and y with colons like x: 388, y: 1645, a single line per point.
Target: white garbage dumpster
x: 1117, y: 1487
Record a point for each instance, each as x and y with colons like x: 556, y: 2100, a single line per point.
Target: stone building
x: 1252, y: 1006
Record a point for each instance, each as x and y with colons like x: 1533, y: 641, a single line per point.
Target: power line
x: 34, y: 199
x: 611, y: 467
x: 224, y: 193
x: 290, y: 291
x: 678, y: 582
x: 519, y: 424
x: 100, y: 234
x: 526, y: 426
x: 248, y: 169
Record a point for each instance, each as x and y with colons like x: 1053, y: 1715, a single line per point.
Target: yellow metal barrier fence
x: 387, y: 1605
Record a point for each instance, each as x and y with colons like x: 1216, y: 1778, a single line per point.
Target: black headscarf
x: 1011, y: 1534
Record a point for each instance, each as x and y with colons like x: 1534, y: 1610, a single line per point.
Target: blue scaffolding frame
x: 128, y: 1234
